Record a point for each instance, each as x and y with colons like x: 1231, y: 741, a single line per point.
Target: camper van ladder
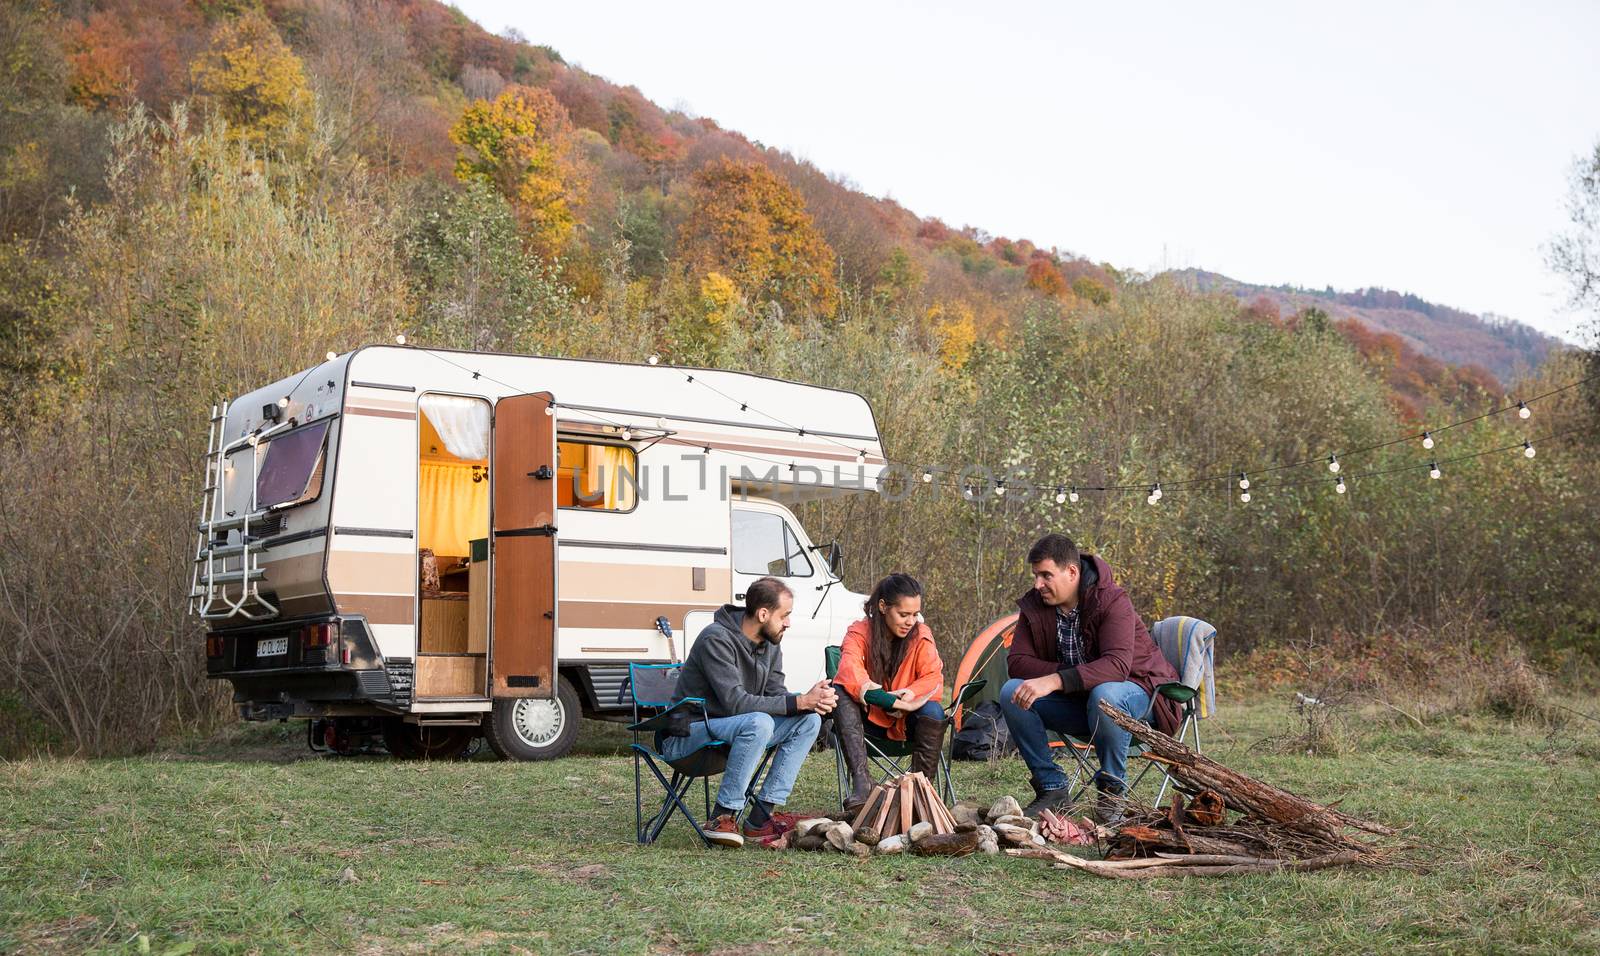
x: 227, y: 575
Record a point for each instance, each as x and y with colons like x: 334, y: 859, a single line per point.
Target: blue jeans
x: 1077, y: 715
x: 749, y: 736
x: 930, y: 710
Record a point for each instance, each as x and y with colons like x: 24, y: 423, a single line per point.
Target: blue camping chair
x: 658, y: 712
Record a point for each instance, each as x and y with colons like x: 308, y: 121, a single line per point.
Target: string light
x: 1333, y: 463
x: 1339, y: 485
x: 927, y: 475
x: 1527, y: 449
x: 1244, y: 483
x: 283, y: 402
x: 332, y: 356
x: 653, y: 359
x: 1000, y: 488
x: 254, y: 439
x: 1072, y: 495
x: 627, y: 434
x: 1061, y: 497
x: 861, y: 457
x: 400, y: 339
x: 1244, y: 496
x: 1427, y: 439
x: 1433, y: 470
x: 1156, y: 491
x: 1523, y: 411
x: 550, y: 410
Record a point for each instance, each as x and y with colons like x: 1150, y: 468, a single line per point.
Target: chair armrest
x: 684, y: 711
x: 1182, y: 693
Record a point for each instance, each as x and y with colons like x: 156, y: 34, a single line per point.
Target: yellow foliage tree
x: 718, y: 297
x: 522, y: 144
x: 752, y: 227
x: 956, y: 330
x: 251, y: 78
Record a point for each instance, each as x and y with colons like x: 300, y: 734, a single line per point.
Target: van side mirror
x: 835, y: 559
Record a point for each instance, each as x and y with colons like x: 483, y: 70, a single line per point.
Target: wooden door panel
x: 522, y: 643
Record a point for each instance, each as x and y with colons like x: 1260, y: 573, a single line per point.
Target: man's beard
x: 772, y: 637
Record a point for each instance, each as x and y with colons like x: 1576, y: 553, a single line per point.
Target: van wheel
x: 410, y: 742
x: 528, y: 729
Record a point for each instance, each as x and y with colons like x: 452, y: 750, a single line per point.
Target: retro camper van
x: 433, y: 545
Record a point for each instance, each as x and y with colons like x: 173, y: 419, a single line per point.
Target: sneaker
x: 724, y: 831
x: 777, y: 824
x: 1048, y: 800
x: 1110, y: 806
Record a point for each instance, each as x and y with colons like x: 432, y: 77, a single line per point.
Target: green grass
x: 244, y: 847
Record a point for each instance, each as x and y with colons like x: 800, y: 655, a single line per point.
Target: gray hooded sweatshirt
x: 733, y: 674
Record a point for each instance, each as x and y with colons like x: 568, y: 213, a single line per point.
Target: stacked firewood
x: 1273, y: 830
x: 903, y: 813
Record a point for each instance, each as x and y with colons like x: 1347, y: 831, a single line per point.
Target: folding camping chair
x: 889, y: 755
x: 658, y: 711
x: 1188, y: 644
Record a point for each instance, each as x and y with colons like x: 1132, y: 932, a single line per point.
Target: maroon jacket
x: 1116, y: 646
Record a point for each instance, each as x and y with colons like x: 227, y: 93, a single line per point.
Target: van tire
x: 410, y: 742
x: 529, y: 729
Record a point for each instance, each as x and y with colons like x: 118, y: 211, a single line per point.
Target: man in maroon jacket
x: 1077, y: 642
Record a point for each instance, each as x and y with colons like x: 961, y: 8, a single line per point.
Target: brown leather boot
x: 927, y: 740
x: 849, y: 724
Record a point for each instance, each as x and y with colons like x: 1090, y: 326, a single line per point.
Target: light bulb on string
x: 1244, y: 483
x: 1523, y: 411
x: 254, y: 439
x: 1000, y: 488
x: 653, y: 359
x: 1156, y: 491
x: 627, y: 433
x: 1061, y: 497
x: 550, y: 410
x: 1339, y: 485
x: 283, y: 402
x: 400, y: 339
x: 332, y: 356
x: 1433, y: 470
x: 861, y: 457
x: 1427, y: 439
x: 1527, y: 449
x: 927, y: 475
x: 1072, y: 495
x: 1333, y: 463
x: 1244, y: 496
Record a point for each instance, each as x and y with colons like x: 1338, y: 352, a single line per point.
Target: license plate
x: 272, y: 647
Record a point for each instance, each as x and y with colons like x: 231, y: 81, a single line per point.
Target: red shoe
x: 723, y: 831
x: 776, y: 826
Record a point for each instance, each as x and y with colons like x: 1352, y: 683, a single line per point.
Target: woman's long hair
x: 884, y: 650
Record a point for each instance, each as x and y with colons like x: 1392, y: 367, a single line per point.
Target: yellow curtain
x: 453, y: 509
x: 611, y: 461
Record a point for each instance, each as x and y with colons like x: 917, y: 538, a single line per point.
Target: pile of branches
x: 1272, y: 830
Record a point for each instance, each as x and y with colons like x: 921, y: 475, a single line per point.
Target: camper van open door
x: 522, y: 639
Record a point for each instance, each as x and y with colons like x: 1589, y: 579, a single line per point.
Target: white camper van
x: 431, y: 545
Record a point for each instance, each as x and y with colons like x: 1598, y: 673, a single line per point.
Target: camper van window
x: 763, y: 543
x: 596, y: 476
x: 291, y: 467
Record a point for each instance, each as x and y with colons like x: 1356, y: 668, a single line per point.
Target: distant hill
x: 1502, y: 346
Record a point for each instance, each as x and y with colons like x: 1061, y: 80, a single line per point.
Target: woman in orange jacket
x: 889, y: 681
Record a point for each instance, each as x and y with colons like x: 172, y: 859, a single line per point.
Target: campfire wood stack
x: 1277, y: 832
x: 898, y: 804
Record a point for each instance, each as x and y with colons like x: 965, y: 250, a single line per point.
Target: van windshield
x: 291, y: 467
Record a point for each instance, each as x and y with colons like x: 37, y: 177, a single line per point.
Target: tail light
x: 213, y: 645
x: 318, y: 635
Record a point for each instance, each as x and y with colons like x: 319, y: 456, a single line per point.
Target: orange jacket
x: 920, y: 671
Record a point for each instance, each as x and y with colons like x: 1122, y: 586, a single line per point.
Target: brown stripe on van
x: 378, y: 412
x: 794, y: 450
x: 373, y: 572
x: 379, y: 608
x: 610, y: 614
x: 283, y: 574
x: 644, y: 582
x: 303, y: 606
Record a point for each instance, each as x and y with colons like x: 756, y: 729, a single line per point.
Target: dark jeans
x: 1077, y: 715
x: 931, y: 710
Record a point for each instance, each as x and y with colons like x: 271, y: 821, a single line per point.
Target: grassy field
x: 253, y: 845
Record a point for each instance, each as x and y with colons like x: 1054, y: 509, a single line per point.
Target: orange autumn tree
x: 1043, y: 277
x: 751, y: 226
x: 522, y: 144
x: 253, y: 80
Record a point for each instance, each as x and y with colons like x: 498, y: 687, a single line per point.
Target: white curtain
x: 462, y: 424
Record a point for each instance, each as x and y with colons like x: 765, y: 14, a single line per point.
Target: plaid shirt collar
x: 1069, y: 638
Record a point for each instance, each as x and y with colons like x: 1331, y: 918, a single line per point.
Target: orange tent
x: 986, y: 658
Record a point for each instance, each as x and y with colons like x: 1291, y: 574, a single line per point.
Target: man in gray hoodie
x: 736, y: 667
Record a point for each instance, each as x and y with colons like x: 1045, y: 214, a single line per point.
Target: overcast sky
x: 1424, y: 147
